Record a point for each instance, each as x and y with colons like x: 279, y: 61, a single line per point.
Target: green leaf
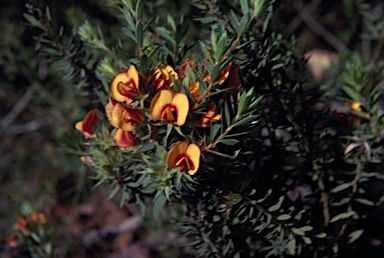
x: 158, y: 203
x: 277, y: 205
x: 354, y: 235
x: 351, y: 93
x: 342, y: 216
x: 229, y: 141
x: 365, y: 201
x: 246, y: 120
x: 340, y: 187
x: 243, y: 24
x: 283, y: 217
x: 227, y: 114
x: 139, y: 34
x: 298, y: 231
x: 242, y: 103
x: 139, y: 8
x: 31, y: 19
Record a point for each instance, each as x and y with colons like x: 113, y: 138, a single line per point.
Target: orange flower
x: 11, y: 241
x: 354, y: 106
x: 125, y: 139
x: 223, y: 75
x: 164, y: 76
x: 125, y: 86
x: 210, y: 116
x: 21, y: 225
x: 85, y: 126
x: 194, y: 90
x: 185, y: 157
x: 170, y: 107
x: 121, y: 116
x: 182, y: 70
x: 37, y: 217
x: 233, y: 80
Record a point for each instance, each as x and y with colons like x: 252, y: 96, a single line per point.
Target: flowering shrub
x: 230, y: 126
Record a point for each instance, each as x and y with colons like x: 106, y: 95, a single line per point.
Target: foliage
x: 228, y: 123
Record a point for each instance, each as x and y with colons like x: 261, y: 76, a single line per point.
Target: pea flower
x: 164, y: 76
x: 85, y: 126
x: 125, y: 139
x: 125, y: 86
x: 185, y: 157
x: 194, y: 90
x: 182, y: 69
x: 121, y: 116
x: 170, y: 107
x: 210, y: 116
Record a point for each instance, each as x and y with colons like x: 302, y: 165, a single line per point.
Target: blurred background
x: 38, y: 110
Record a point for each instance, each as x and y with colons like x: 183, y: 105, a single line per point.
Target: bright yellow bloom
x: 164, y: 76
x: 185, y: 157
x: 170, y: 107
x: 121, y: 116
x: 125, y: 86
x: 85, y: 126
x: 125, y: 139
x: 354, y: 106
x: 210, y: 116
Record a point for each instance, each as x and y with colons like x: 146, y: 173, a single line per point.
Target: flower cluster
x: 142, y: 106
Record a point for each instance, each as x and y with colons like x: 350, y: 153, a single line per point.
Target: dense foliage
x: 213, y: 108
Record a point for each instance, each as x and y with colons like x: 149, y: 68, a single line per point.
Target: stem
x: 209, y: 242
x: 354, y: 190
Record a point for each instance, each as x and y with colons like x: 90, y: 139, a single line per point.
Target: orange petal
x: 193, y: 152
x: 180, y: 100
x: 125, y: 85
x: 120, y: 78
x: 161, y: 99
x: 194, y: 89
x: 79, y: 126
x: 134, y: 75
x: 121, y: 119
x: 179, y: 148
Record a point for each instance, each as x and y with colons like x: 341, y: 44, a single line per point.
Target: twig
x: 354, y: 190
x: 16, y: 110
x: 29, y: 126
x: 298, y: 19
x: 211, y: 245
x: 214, y: 11
x: 319, y: 29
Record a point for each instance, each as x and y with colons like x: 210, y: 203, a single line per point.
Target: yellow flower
x: 164, y: 76
x: 85, y: 126
x: 210, y: 116
x: 170, y: 107
x: 354, y: 106
x: 125, y: 86
x: 125, y: 139
x: 185, y: 157
x: 121, y: 116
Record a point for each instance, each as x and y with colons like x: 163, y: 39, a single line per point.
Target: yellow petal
x: 158, y: 103
x: 120, y: 118
x: 134, y: 75
x: 193, y: 152
x: 179, y: 148
x: 180, y: 100
x: 194, y: 89
x: 120, y: 78
x: 79, y: 126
